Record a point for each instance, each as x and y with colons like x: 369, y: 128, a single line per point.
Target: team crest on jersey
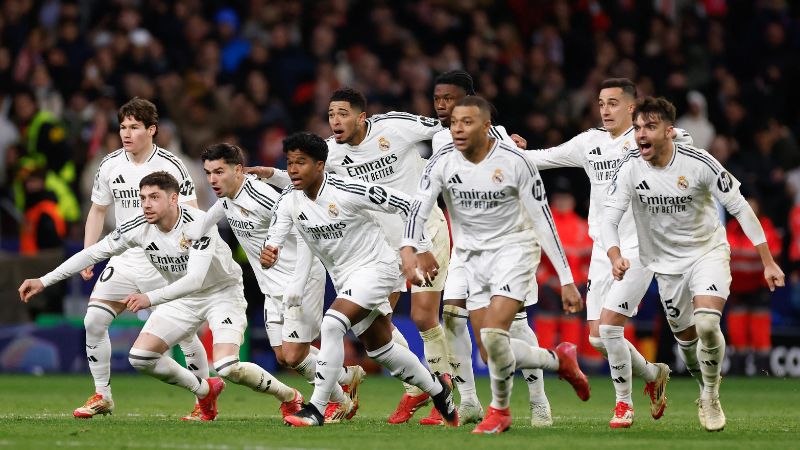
x: 333, y: 211
x: 626, y: 146
x: 683, y: 184
x: 383, y: 143
x: 184, y: 243
x: 243, y: 211
x: 498, y: 177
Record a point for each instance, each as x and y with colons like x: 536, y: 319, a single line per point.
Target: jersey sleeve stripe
x: 260, y: 198
x: 131, y: 224
x: 412, y: 218
x: 109, y: 157
x: 548, y: 215
x: 700, y: 157
x: 435, y: 158
x: 400, y: 204
x: 175, y: 161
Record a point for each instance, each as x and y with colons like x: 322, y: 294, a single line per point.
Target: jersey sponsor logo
x: 169, y: 263
x: 497, y: 176
x: 476, y: 199
x: 538, y: 190
x: 724, y: 182
x: 332, y: 231
x: 333, y: 210
x: 373, y: 170
x: 118, y: 180
x: 128, y: 198
x: 377, y: 195
x: 683, y: 183
x: 383, y: 143
x: 241, y: 228
x: 604, y: 170
x: 665, y: 204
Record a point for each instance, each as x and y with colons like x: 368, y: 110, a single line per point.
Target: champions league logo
x: 383, y: 143
x: 425, y: 181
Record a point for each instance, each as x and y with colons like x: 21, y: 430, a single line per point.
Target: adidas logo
x: 152, y: 247
x: 713, y: 287
x: 623, y: 305
x: 294, y: 335
x: 531, y: 378
x: 118, y: 180
x: 318, y: 375
x: 643, y: 186
x: 347, y: 292
x: 192, y: 367
x: 595, y: 151
x: 347, y: 160
x: 227, y: 321
x: 710, y: 362
x: 458, y: 379
x: 619, y: 380
x: 91, y: 358
x: 455, y: 179
x: 505, y: 288
x: 302, y: 216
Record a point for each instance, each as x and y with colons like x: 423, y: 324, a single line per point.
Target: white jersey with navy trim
x: 249, y: 214
x: 193, y: 269
x: 338, y: 226
x: 387, y: 156
x: 486, y: 200
x: 673, y: 207
x: 117, y: 182
x: 598, y: 153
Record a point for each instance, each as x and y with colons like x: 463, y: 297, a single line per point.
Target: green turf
x: 762, y: 414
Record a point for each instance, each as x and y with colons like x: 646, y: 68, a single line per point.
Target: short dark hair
x: 142, y: 110
x: 350, y: 95
x: 230, y: 153
x: 481, y: 103
x: 458, y: 78
x: 655, y: 107
x: 161, y: 179
x: 308, y: 143
x: 627, y: 86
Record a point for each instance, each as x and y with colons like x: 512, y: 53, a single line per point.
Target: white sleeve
x: 533, y: 198
x: 280, y: 179
x: 201, y: 253
x: 430, y: 186
x: 186, y: 185
x: 200, y: 227
x: 119, y: 240
x: 683, y: 137
x: 101, y: 191
x: 725, y: 188
x: 617, y: 202
x: 305, y: 258
x: 568, y: 154
x: 414, y: 128
x: 282, y: 221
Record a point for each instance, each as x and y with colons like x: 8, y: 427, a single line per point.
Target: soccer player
x: 486, y: 184
x: 382, y: 149
x: 117, y: 183
x: 331, y: 213
x: 670, y: 189
x: 294, y: 289
x: 449, y: 88
x: 204, y: 284
x: 609, y: 303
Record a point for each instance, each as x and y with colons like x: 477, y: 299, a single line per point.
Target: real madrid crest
x: 683, y: 184
x: 243, y: 211
x: 333, y: 211
x: 498, y: 177
x: 383, y: 143
x: 184, y: 243
x: 626, y: 146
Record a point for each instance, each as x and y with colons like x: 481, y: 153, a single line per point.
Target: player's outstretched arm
x: 276, y: 177
x: 200, y: 228
x: 280, y: 227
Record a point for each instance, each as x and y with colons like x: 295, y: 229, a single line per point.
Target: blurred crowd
x: 252, y: 71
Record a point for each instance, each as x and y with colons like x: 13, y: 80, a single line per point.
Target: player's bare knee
x: 293, y: 357
x: 423, y: 319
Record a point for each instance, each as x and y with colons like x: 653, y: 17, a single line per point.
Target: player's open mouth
x: 296, y: 181
x: 337, y: 134
x: 645, y: 145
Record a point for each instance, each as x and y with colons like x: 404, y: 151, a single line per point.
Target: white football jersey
x: 387, y: 156
x: 673, y: 207
x: 249, y: 214
x: 117, y: 182
x: 338, y: 226
x: 598, y: 153
x: 207, y: 260
x: 486, y: 202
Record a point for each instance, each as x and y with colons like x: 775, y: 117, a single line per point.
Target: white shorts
x: 456, y: 286
x: 603, y: 291
x: 508, y: 271
x: 296, y: 324
x: 439, y: 235
x: 225, y: 312
x: 709, y: 275
x: 369, y: 287
x: 126, y: 275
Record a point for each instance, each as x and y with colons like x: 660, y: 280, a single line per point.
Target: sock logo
x: 192, y: 367
x: 531, y: 378
x: 318, y: 375
x: 619, y: 380
x: 458, y: 379
x: 92, y: 347
x: 91, y: 358
x: 434, y: 360
x: 620, y: 367
x: 710, y: 362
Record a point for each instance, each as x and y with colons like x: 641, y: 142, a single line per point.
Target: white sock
x: 597, y: 343
x: 307, y: 368
x: 98, y: 345
x: 330, y: 357
x: 252, y: 376
x: 404, y: 365
x: 619, y: 360
x: 436, y: 353
x: 501, y: 365
x: 534, y: 377
x: 167, y: 370
x: 710, y: 349
x: 529, y: 357
x: 399, y: 339
x: 689, y: 356
x: 195, y: 355
x: 460, y: 346
x: 639, y: 365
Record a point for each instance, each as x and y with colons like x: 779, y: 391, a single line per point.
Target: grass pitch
x: 761, y: 412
